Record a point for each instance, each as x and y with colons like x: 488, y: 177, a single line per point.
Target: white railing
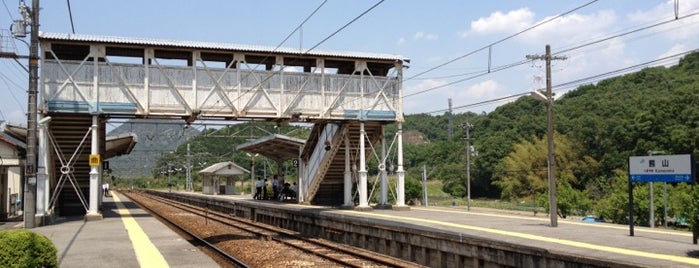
x: 181, y: 90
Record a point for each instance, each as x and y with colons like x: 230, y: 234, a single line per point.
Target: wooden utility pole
x: 553, y: 203
x: 467, y: 127
x: 31, y: 160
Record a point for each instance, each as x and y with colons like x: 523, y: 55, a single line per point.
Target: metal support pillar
x: 347, y: 189
x: 42, y: 186
x: 253, y: 187
x: 302, y: 178
x: 93, y: 212
x: 363, y: 195
x: 382, y: 171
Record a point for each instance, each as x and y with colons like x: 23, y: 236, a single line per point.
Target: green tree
x: 525, y: 173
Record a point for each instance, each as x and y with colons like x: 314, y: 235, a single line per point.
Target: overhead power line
x: 8, y: 10
x: 315, y: 46
x: 345, y: 26
x: 626, y: 33
x: 70, y: 14
x: 576, y: 82
x: 514, y: 64
x: 300, y: 25
x: 500, y: 41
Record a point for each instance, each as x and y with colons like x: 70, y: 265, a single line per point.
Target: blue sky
x: 430, y: 33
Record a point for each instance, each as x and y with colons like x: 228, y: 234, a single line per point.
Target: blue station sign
x: 661, y: 168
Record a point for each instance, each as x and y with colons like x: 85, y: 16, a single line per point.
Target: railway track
x: 198, y: 240
x: 340, y: 255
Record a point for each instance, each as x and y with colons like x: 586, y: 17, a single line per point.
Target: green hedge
x: 23, y: 248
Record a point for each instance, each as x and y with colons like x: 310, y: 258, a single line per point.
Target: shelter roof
x: 227, y: 168
x: 120, y: 144
x: 140, y: 41
x: 277, y: 147
x: 115, y: 145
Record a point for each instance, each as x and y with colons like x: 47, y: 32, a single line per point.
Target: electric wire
x: 501, y: 40
x: 300, y: 25
x: 485, y: 72
x: 315, y: 46
x: 482, y: 73
x: 624, y: 33
x: 70, y: 14
x: 576, y: 82
x: 276, y: 48
x: 8, y: 10
x: 345, y: 26
x: 5, y: 79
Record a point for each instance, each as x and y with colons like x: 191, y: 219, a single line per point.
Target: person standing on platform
x: 105, y: 189
x: 264, y: 190
x: 258, y: 189
x: 295, y: 190
x: 275, y: 186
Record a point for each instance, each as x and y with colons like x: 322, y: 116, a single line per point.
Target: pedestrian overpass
x: 86, y: 80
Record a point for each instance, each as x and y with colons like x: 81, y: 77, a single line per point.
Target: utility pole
x: 553, y: 203
x: 451, y: 123
x: 424, y: 185
x: 31, y: 160
x: 467, y: 127
x: 188, y: 184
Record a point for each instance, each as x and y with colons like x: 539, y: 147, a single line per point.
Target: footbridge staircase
x: 331, y: 149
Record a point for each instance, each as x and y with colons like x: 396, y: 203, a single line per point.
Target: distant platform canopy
x: 223, y: 169
x: 115, y: 145
x: 119, y: 144
x: 276, y: 147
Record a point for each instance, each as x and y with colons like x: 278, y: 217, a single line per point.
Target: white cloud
x: 400, y: 41
x: 485, y: 89
x: 676, y: 49
x: 682, y: 29
x: 428, y: 98
x: 571, y: 29
x: 436, y: 94
x: 425, y: 36
x: 511, y: 21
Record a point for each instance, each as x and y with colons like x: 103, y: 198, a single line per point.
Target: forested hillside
x: 597, y: 128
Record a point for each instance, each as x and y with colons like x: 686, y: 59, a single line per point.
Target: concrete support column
x: 348, y: 175
x: 42, y: 184
x: 400, y: 188
x: 300, y: 195
x: 93, y: 212
x: 363, y: 195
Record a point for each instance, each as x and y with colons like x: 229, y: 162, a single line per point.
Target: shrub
x: 23, y: 248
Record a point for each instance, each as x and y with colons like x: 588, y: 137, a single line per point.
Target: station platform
x: 121, y: 239
x: 127, y: 236
x: 606, y: 242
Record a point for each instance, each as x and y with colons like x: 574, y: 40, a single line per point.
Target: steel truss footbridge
x: 86, y: 80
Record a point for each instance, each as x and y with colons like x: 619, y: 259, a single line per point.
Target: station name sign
x: 661, y: 168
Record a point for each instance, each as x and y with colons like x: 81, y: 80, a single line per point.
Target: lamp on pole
x: 553, y: 203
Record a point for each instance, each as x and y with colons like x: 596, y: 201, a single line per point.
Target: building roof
x: 223, y: 169
x: 141, y: 41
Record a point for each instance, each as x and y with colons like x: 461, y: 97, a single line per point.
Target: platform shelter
x: 227, y: 172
